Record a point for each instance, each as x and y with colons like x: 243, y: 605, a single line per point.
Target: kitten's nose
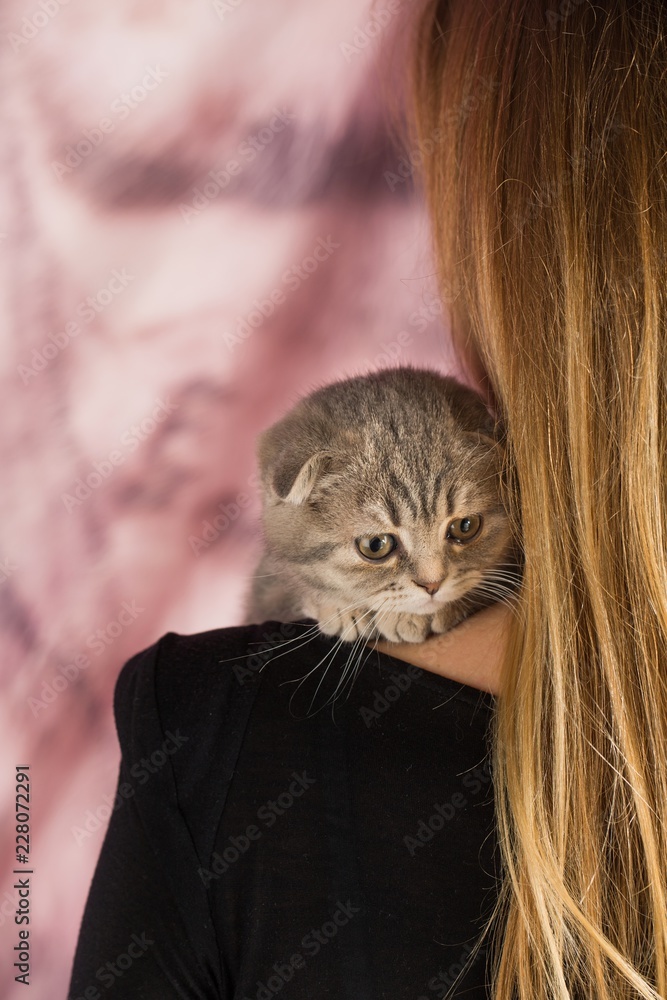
x: 431, y: 588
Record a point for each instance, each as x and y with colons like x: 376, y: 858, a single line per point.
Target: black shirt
x: 264, y: 842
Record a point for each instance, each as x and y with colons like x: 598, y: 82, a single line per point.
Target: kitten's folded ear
x: 291, y: 461
x: 293, y: 480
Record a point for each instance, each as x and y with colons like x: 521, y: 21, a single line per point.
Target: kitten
x: 382, y: 513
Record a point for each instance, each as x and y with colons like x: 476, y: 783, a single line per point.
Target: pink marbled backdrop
x: 136, y: 364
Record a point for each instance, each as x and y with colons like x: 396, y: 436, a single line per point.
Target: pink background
x: 137, y: 362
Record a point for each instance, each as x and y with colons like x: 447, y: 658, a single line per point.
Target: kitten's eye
x: 463, y: 529
x: 376, y: 546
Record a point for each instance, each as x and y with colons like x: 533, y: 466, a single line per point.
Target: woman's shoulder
x: 188, y: 681
x: 181, y: 708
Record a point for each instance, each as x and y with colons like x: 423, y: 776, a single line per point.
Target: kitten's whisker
x: 271, y: 657
x: 497, y: 578
x: 346, y: 679
x: 312, y: 630
x: 345, y: 674
x: 305, y: 677
x: 263, y: 576
x: 309, y: 629
x: 495, y: 588
x: 330, y: 653
x: 499, y: 584
x: 505, y: 574
x: 351, y: 669
x: 309, y: 634
x: 492, y: 592
x: 511, y: 580
x: 352, y: 625
x: 381, y: 615
x: 356, y: 668
x: 503, y: 582
x: 499, y: 596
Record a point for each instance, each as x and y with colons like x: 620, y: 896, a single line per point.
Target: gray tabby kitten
x: 381, y: 509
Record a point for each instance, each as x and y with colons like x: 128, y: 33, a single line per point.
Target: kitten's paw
x: 404, y: 627
x: 346, y: 625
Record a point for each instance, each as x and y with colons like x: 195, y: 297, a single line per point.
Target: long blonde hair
x: 541, y: 130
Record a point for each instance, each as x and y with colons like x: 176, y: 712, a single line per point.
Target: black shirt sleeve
x: 147, y: 928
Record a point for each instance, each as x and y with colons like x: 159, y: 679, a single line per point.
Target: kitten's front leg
x: 347, y: 624
x: 403, y: 626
